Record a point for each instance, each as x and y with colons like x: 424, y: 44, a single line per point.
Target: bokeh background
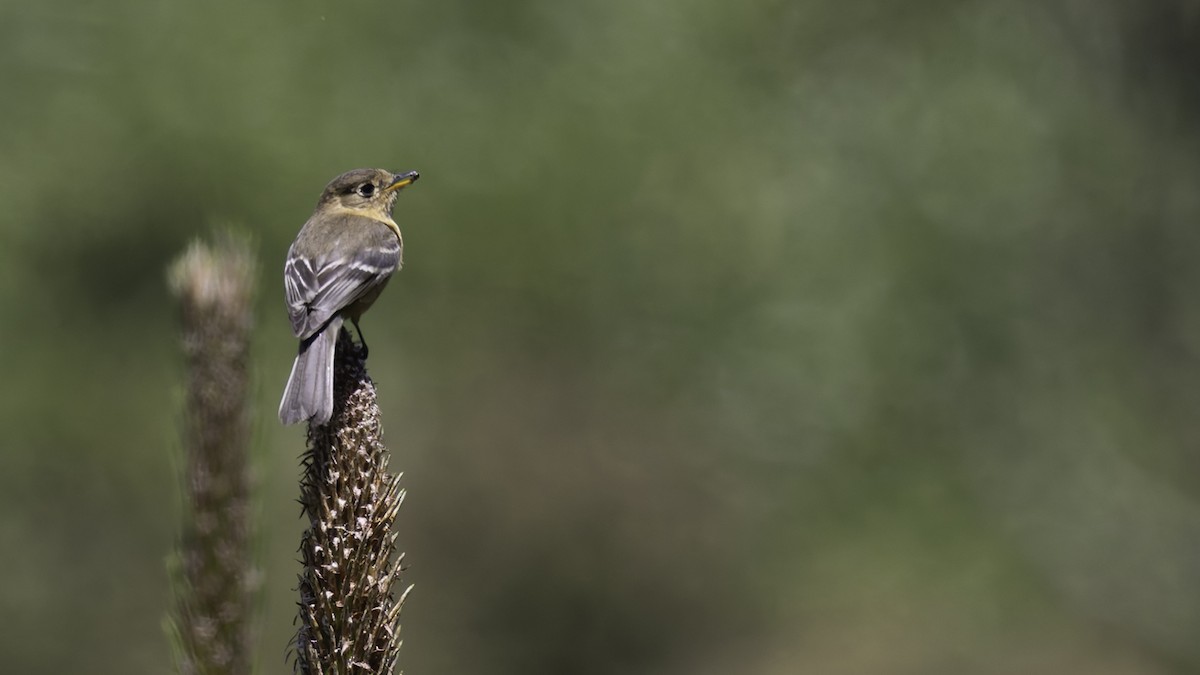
x: 761, y: 337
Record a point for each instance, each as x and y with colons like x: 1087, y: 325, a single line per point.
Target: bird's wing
x: 316, y: 289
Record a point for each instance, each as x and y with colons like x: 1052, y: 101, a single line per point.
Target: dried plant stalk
x: 215, y: 583
x: 349, y: 590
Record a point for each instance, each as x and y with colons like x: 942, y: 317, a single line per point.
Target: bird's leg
x: 362, y: 341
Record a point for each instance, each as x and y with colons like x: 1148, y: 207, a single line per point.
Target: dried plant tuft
x: 350, y: 589
x: 215, y: 580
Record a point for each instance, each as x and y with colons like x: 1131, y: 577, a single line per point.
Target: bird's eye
x: 366, y: 189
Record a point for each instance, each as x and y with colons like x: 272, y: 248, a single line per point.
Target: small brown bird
x: 338, y: 265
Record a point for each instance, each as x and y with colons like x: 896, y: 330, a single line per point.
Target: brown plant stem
x: 350, y: 596
x: 214, y: 586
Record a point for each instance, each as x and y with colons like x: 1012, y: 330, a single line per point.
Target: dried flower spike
x: 350, y: 595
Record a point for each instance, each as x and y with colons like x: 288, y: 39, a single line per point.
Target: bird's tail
x: 309, y: 391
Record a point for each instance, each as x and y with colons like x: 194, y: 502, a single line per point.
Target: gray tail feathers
x: 309, y: 391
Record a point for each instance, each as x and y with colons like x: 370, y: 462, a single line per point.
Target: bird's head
x: 370, y: 191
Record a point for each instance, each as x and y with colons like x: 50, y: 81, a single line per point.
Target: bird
x: 336, y: 268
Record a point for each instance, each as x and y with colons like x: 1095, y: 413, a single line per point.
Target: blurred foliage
x: 765, y: 337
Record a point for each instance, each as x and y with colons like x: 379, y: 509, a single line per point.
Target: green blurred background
x: 758, y: 337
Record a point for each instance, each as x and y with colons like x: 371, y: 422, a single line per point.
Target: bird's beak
x: 402, y: 180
